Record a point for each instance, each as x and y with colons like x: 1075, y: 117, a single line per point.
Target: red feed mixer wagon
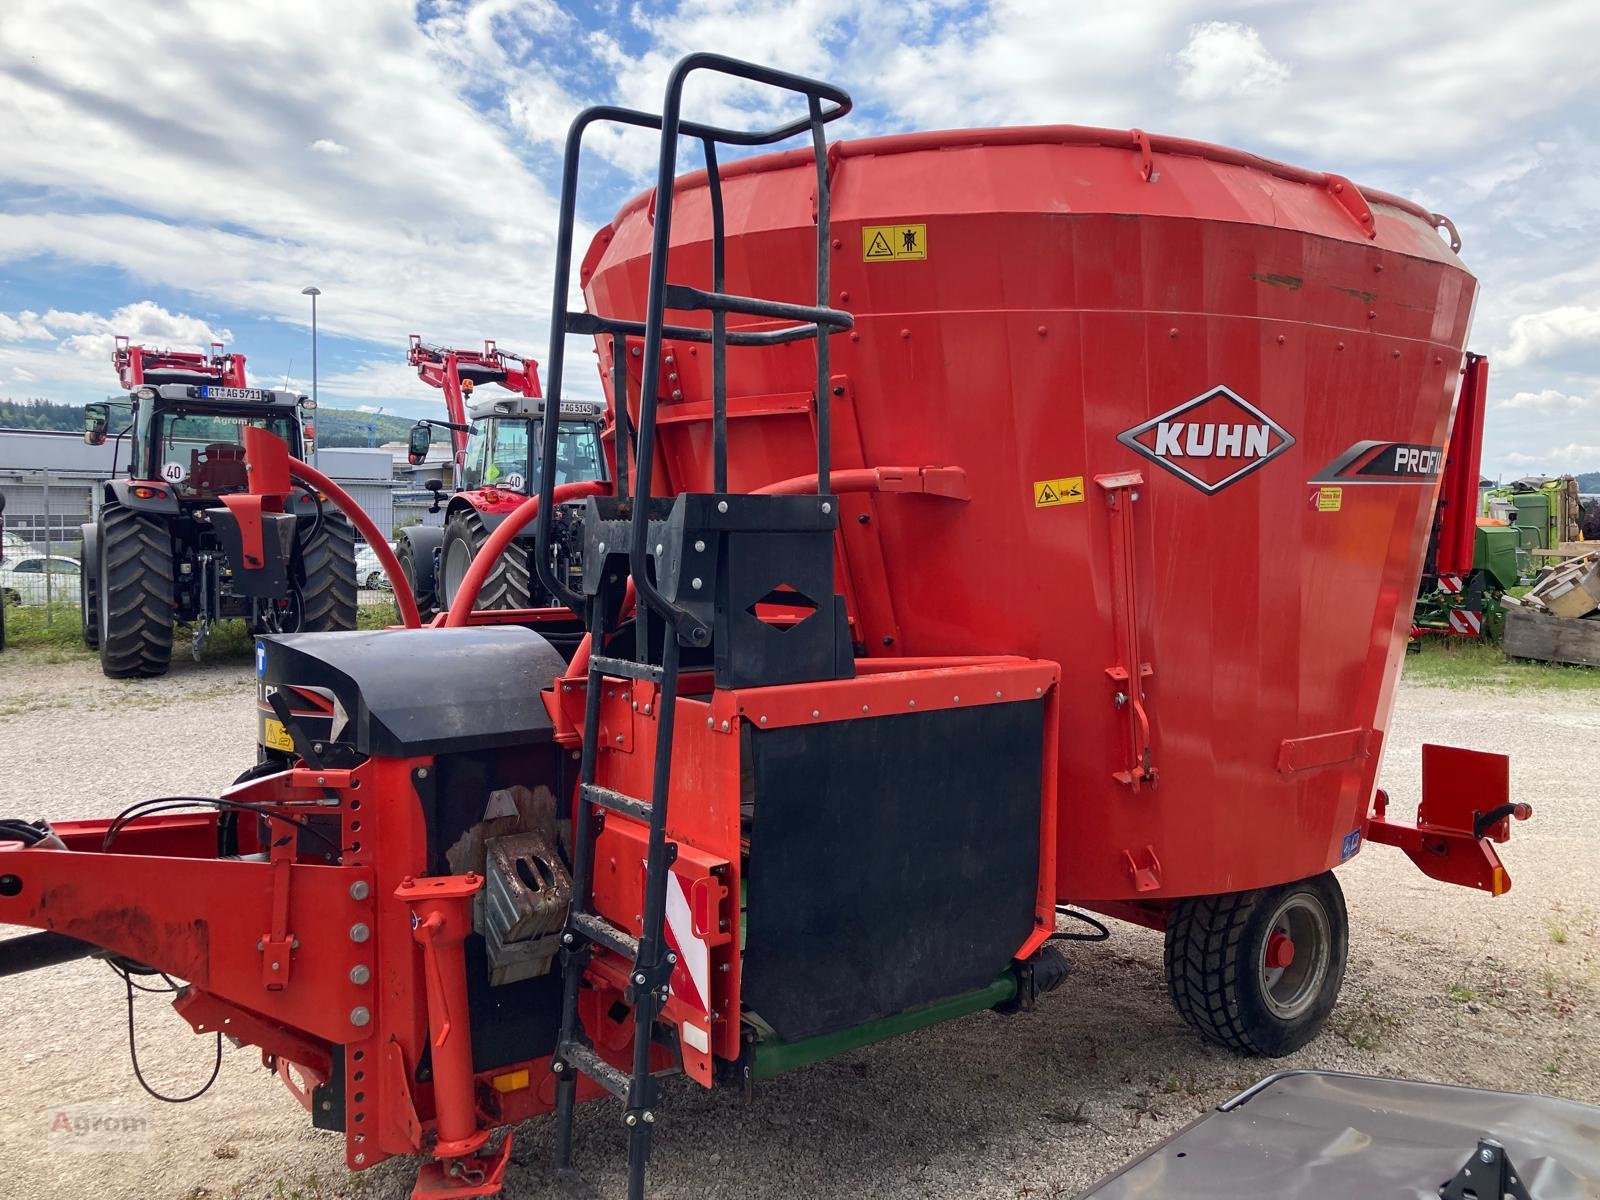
x: 999, y: 520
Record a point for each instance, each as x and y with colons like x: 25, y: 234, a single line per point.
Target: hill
x: 335, y: 426
x: 1589, y: 482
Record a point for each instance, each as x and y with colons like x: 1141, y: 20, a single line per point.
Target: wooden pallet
x: 1537, y: 635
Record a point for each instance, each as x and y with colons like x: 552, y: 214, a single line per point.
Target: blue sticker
x: 261, y: 658
x: 1352, y: 843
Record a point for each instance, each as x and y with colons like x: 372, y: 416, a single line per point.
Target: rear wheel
x: 507, y: 582
x: 135, y: 594
x: 1259, y: 971
x: 328, y: 596
x: 89, y: 587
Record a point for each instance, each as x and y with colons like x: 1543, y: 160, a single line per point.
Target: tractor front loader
x: 889, y: 652
x: 497, y: 452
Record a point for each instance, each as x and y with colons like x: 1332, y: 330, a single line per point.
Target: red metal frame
x: 440, y: 367
x: 217, y: 367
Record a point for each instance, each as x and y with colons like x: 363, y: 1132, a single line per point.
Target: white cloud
x: 328, y: 146
x: 195, y: 178
x: 1550, y: 400
x: 1225, y: 59
x: 1541, y: 334
x: 1572, y: 457
x: 24, y: 327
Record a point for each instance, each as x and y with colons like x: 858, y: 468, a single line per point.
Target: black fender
x: 426, y: 542
x: 162, y: 501
x: 91, y: 554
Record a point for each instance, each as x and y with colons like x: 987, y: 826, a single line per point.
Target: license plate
x: 228, y: 393
x: 275, y: 737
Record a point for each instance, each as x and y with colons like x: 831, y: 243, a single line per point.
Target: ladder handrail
x: 815, y: 320
x: 656, y: 298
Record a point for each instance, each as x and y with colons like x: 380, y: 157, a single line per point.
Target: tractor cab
x: 191, y: 437
x: 503, y: 449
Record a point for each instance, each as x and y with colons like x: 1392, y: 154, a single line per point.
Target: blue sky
x: 179, y: 172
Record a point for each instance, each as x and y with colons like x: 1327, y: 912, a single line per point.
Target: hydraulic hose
x: 483, y: 561
x: 345, y: 503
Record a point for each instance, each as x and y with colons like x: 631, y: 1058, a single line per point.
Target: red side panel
x: 1458, y: 490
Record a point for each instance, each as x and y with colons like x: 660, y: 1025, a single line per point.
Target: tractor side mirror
x: 96, y: 420
x: 421, y: 437
x: 437, y: 488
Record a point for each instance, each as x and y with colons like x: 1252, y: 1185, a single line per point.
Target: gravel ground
x: 1442, y: 985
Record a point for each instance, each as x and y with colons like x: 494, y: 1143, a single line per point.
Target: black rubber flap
x: 893, y: 862
x: 1334, y: 1136
x: 424, y: 691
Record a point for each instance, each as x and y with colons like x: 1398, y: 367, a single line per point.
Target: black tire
x: 89, y: 587
x: 135, y: 601
x: 507, y: 583
x: 1217, y: 964
x: 328, y: 596
x: 414, y: 547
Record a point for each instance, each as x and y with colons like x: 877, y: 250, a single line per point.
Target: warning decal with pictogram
x: 893, y: 243
x: 1049, y: 492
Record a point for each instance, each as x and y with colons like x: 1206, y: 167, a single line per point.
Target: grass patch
x: 1557, y: 928
x: 56, y: 626
x: 57, y: 630
x: 1471, y: 665
x: 1460, y: 993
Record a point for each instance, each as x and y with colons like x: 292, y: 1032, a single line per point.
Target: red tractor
x: 1002, y: 596
x: 164, y: 547
x: 496, y: 442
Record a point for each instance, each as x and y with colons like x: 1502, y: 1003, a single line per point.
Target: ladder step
x: 617, y: 802
x: 625, y: 668
x: 598, y: 929
x: 614, y: 1079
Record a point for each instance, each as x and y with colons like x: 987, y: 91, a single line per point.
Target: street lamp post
x: 313, y: 292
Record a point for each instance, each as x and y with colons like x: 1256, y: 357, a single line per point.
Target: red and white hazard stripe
x: 1465, y: 623
x: 1450, y: 584
x: 691, y: 976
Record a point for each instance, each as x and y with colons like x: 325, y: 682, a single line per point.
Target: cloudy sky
x: 179, y: 171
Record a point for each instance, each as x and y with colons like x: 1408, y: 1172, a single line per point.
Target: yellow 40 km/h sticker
x: 1049, y: 492
x: 893, y: 243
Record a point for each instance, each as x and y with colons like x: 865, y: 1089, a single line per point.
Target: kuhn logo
x: 1215, y: 439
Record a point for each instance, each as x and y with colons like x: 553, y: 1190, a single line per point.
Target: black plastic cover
x: 423, y: 691
x: 1335, y: 1136
x: 894, y: 861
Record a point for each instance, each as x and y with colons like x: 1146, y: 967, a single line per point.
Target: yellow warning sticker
x: 1049, y: 492
x: 275, y: 736
x: 893, y: 243
x: 1329, y: 499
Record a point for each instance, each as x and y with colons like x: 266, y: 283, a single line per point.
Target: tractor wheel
x: 414, y: 547
x: 328, y: 596
x: 89, y: 587
x: 135, y: 594
x: 1259, y: 971
x: 507, y: 584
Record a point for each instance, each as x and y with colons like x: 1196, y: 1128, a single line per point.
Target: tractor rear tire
x: 328, y: 596
x: 135, y: 594
x: 1221, y: 971
x: 89, y: 587
x: 507, y: 582
x: 414, y: 547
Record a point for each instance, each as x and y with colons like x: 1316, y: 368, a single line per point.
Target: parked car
x: 23, y: 579
x: 369, y: 571
x: 13, y: 544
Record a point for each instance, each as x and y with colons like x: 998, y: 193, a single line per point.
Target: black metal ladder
x: 680, y: 624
